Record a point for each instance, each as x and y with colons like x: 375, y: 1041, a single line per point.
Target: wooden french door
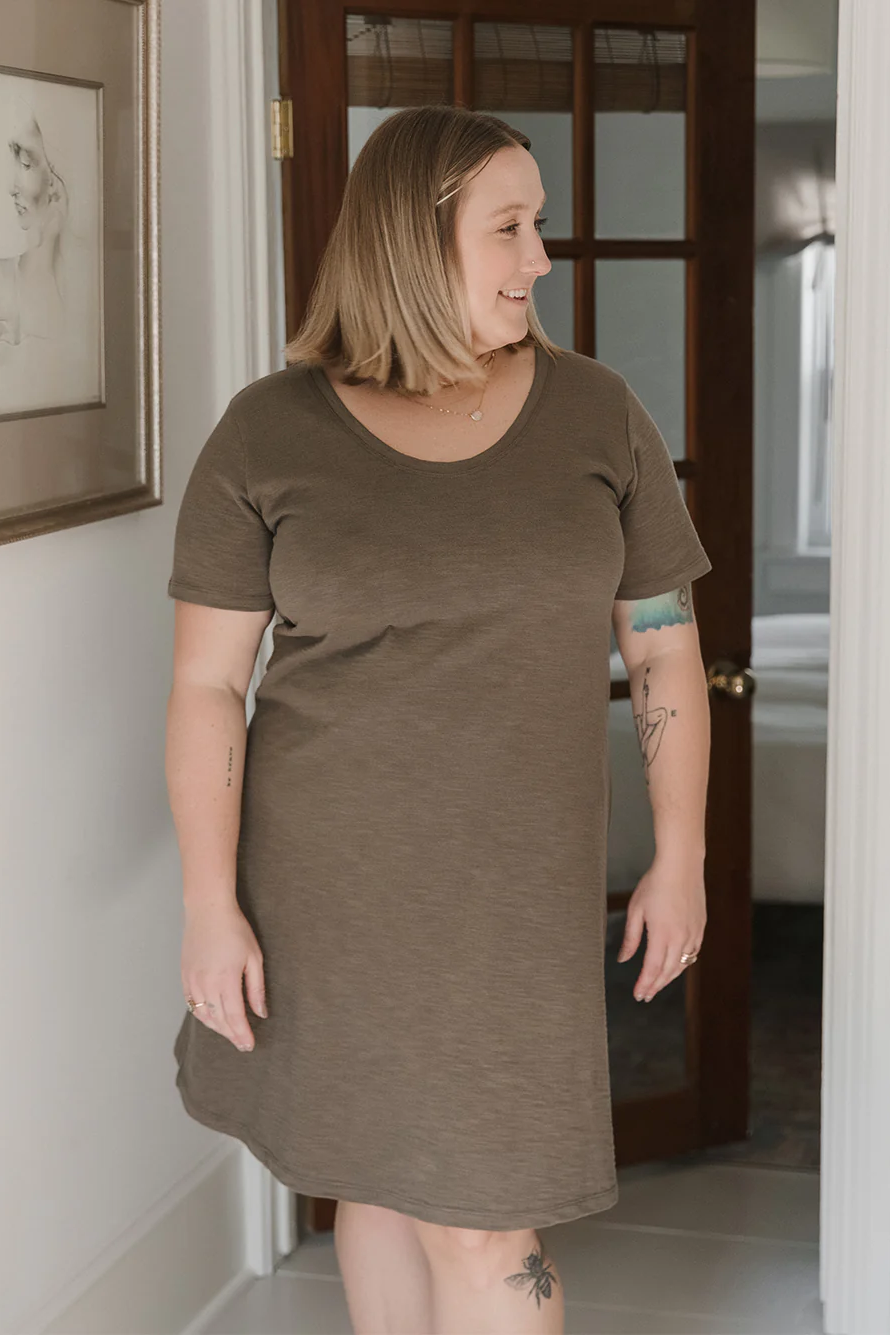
x: 641, y: 117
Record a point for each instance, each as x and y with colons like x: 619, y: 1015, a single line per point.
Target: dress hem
x: 560, y: 1213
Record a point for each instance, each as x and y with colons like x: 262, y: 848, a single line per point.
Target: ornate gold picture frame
x: 80, y: 354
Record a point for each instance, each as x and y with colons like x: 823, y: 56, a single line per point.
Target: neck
x: 461, y: 389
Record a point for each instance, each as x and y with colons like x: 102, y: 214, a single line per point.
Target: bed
x: 789, y: 727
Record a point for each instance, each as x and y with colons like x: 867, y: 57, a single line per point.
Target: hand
x: 670, y: 901
x: 218, y: 948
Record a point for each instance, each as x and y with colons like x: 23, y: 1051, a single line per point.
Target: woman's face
x: 31, y: 175
x: 499, y: 245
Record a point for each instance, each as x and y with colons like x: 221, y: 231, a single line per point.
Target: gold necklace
x: 476, y: 414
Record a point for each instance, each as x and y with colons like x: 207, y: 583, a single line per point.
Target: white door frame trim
x: 855, y: 1196
x: 855, y: 1199
x: 244, y: 209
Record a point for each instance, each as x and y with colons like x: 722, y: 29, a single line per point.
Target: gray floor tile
x: 690, y: 1249
x: 281, y: 1305
x: 731, y: 1199
x: 765, y: 1283
x: 589, y: 1320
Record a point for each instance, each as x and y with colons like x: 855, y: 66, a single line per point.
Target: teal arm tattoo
x: 666, y: 609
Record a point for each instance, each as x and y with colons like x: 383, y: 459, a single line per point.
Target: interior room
x: 185, y: 141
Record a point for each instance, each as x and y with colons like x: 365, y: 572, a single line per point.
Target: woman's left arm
x: 658, y: 641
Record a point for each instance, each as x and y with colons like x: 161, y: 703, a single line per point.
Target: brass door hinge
x: 282, y: 128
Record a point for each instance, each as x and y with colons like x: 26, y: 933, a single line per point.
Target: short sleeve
x: 222, y: 545
x: 661, y: 547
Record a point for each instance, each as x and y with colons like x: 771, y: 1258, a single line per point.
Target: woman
x: 405, y: 852
x: 32, y: 287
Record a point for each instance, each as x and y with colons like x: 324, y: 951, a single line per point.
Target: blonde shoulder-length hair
x: 388, y: 303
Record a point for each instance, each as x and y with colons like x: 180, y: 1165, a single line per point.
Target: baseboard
x: 185, y: 1264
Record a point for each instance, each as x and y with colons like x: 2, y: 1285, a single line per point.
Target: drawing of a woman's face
x: 31, y: 173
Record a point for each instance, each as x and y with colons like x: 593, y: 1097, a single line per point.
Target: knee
x: 479, y: 1252
x: 460, y: 1241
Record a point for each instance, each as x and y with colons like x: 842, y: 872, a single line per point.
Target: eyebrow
x: 513, y: 208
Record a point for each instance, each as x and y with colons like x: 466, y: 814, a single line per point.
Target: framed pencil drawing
x: 80, y: 385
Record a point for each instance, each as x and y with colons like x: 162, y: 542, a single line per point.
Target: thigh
x: 384, y: 1223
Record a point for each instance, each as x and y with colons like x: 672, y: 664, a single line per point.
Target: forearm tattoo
x: 229, y: 779
x: 650, y: 722
x: 537, y: 1275
x: 667, y: 609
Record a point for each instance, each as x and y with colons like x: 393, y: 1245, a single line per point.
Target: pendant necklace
x: 476, y: 414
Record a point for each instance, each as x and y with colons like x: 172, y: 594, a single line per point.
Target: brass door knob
x: 729, y: 679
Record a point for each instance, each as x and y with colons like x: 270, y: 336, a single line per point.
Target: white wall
x: 98, y: 1154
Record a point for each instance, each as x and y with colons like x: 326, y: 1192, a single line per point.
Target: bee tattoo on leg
x: 537, y: 1275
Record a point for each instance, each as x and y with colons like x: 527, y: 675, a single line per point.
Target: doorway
x: 642, y: 115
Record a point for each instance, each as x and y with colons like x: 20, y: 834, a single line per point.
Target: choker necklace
x: 477, y: 414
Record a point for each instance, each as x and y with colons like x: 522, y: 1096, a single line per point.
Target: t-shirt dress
x: 427, y: 793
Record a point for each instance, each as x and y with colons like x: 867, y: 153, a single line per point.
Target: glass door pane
x: 554, y: 297
x: 647, y: 1040
x: 641, y: 332
x: 392, y: 63
x: 523, y: 74
x: 640, y: 133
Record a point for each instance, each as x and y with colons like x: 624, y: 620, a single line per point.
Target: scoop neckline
x: 401, y: 460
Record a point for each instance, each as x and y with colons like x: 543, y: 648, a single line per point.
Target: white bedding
x: 789, y: 660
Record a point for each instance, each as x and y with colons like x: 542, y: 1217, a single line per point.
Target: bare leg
x: 492, y: 1283
x: 385, y: 1270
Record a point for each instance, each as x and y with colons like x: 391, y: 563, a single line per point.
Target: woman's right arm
x: 214, y: 653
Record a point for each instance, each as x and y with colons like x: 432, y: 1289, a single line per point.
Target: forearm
x: 205, y: 746
x: 669, y: 695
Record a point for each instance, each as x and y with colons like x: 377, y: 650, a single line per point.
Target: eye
x: 510, y: 229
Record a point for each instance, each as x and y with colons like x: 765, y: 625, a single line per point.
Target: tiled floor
x: 691, y: 1248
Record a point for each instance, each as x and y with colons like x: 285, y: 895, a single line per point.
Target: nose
x: 539, y: 264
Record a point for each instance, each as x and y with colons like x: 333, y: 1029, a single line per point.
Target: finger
x: 633, y: 932
x: 208, y: 1014
x: 232, y: 1003
x: 193, y: 991
x: 653, y: 966
x: 671, y: 969
x: 255, y: 985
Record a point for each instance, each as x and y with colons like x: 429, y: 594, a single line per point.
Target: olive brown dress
x: 426, y: 792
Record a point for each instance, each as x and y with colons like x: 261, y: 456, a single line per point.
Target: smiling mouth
x: 517, y: 301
